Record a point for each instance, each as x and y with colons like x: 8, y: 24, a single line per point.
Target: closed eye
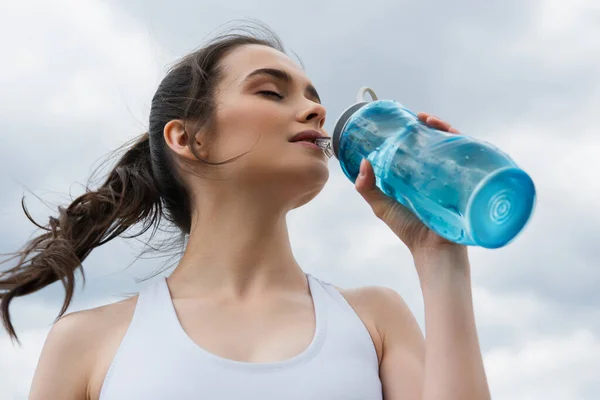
x: 270, y: 93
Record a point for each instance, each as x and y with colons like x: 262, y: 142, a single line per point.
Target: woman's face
x: 262, y: 101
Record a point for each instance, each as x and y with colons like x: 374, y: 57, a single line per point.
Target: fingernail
x: 362, y: 168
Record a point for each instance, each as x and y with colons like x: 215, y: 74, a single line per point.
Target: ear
x: 178, y: 140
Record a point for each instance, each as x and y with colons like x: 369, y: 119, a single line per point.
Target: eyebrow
x: 283, y: 76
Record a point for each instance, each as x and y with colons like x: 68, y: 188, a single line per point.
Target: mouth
x: 312, y: 145
x: 309, y: 136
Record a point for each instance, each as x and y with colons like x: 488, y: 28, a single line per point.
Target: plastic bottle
x: 464, y: 189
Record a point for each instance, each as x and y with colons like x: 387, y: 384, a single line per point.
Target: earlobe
x: 178, y: 139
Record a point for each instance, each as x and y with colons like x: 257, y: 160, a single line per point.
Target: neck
x: 237, y: 249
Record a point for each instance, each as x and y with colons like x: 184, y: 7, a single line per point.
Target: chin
x: 306, y: 187
x: 310, y: 173
x: 304, y: 198
x: 294, y: 178
x: 298, y: 186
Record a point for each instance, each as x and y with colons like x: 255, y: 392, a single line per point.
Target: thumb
x: 365, y: 185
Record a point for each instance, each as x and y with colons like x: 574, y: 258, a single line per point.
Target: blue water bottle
x: 464, y: 189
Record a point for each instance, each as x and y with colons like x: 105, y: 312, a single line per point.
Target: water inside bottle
x: 402, y: 174
x: 418, y: 175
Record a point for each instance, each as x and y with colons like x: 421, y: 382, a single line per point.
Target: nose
x: 314, y: 112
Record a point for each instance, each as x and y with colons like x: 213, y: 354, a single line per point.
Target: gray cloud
x: 510, y: 72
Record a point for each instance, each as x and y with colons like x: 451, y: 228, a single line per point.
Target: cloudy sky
x: 77, y: 77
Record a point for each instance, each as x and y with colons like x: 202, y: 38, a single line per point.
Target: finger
x: 365, y: 185
x: 366, y: 177
x: 423, y: 116
x: 437, y: 123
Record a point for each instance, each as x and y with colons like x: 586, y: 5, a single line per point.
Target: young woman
x: 238, y: 318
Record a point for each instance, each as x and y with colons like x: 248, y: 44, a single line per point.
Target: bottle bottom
x: 500, y: 207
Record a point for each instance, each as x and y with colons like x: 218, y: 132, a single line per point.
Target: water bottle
x: 464, y: 189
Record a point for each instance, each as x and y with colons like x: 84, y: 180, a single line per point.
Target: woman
x: 238, y: 318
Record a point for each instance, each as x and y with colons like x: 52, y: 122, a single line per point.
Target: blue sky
x: 77, y: 77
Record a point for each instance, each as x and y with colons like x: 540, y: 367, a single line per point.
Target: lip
x: 309, y: 144
x: 307, y: 135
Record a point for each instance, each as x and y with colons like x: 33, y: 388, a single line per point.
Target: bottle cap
x: 343, y: 119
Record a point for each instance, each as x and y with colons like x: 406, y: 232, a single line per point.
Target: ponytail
x: 128, y: 196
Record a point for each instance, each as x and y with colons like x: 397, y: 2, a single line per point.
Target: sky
x: 77, y: 77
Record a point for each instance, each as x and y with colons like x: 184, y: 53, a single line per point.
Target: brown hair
x: 142, y: 187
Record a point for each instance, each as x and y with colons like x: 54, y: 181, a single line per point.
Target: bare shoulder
x: 74, y: 349
x: 401, y: 347
x: 379, y: 304
x: 372, y: 295
x: 88, y: 327
x: 387, y: 317
x: 112, y: 313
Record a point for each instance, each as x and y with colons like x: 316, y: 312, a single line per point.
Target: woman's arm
x: 449, y: 366
x: 453, y: 365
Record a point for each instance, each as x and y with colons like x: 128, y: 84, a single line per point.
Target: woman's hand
x: 401, y: 220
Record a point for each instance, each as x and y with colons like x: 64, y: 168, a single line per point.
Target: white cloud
x: 546, y: 367
x: 77, y: 58
x: 519, y: 312
x: 561, y: 33
x: 18, y: 364
x: 561, y: 164
x: 83, y: 62
x: 536, y: 364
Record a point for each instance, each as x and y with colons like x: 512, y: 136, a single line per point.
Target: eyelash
x: 270, y: 93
